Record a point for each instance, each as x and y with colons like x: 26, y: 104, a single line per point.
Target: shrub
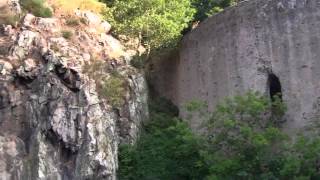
x: 245, y: 143
x: 55, y: 47
x: 169, y: 150
x: 72, y: 21
x: 138, y: 61
x: 114, y: 90
x: 9, y: 19
x: 96, y: 70
x: 111, y: 86
x: 242, y: 142
x: 66, y: 34
x: 37, y: 8
x: 83, y: 20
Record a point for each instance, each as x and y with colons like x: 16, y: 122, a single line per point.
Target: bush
x: 114, y: 90
x: 9, y: 19
x: 72, y: 22
x: 83, y: 20
x: 37, y: 8
x: 242, y: 142
x: 138, y: 61
x: 66, y: 34
x: 173, y: 153
x: 112, y: 87
x: 168, y: 150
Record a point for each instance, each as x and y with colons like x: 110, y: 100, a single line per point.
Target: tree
x: 158, y: 23
x: 166, y: 150
x: 243, y: 142
x: 206, y: 8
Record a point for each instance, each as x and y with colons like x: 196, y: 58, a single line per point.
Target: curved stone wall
x: 236, y: 50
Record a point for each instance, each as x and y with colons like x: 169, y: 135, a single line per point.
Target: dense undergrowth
x: 243, y: 141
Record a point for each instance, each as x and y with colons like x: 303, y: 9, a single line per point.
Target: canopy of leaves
x: 157, y: 22
x: 243, y: 142
x: 166, y: 150
x: 206, y: 8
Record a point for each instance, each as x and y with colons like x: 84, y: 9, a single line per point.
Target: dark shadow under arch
x: 275, y: 88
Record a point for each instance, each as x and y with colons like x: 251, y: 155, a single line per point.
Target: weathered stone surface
x: 49, y: 24
x: 53, y: 123
x: 12, y: 152
x: 106, y: 26
x: 5, y: 67
x: 14, y: 6
x: 236, y: 50
x: 29, y: 64
x: 135, y: 110
x: 24, y: 43
x: 28, y: 20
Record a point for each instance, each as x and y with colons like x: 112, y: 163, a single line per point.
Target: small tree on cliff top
x: 158, y: 23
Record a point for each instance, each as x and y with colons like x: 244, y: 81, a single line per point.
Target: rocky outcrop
x: 53, y: 122
x: 249, y: 47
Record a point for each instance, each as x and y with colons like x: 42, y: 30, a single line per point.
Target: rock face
x: 262, y: 45
x: 53, y: 123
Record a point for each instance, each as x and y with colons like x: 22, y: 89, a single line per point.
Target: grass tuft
x: 66, y: 34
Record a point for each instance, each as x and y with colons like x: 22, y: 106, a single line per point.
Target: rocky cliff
x: 269, y: 46
x: 56, y: 120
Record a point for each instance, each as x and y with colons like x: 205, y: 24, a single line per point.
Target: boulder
x: 106, y: 26
x: 92, y: 19
x: 29, y: 64
x: 29, y: 20
x: 14, y: 6
x: 49, y: 24
x: 5, y: 67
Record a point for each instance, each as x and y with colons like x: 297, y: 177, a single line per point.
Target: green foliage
x: 206, y: 8
x: 158, y: 23
x: 242, y: 142
x: 9, y: 19
x: 37, y: 8
x: 245, y: 143
x: 162, y: 105
x: 111, y: 86
x: 252, y: 108
x: 302, y: 159
x: 138, y: 61
x: 167, y: 150
x: 66, y: 34
x: 73, y: 21
x: 114, y: 90
x: 83, y: 20
x: 172, y: 153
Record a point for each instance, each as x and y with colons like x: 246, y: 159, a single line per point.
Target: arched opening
x: 274, y: 87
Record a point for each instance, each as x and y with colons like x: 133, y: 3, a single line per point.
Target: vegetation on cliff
x: 37, y: 7
x: 158, y: 24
